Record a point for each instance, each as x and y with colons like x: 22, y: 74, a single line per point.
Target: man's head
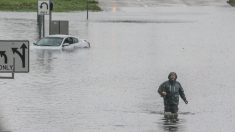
x: 172, y: 76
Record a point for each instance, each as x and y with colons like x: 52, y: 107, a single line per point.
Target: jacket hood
x: 172, y: 73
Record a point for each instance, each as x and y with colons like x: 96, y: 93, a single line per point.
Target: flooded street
x: 112, y: 86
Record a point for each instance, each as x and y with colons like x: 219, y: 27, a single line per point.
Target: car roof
x: 61, y: 36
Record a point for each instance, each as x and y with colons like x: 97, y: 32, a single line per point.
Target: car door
x: 76, y: 42
x: 68, y: 43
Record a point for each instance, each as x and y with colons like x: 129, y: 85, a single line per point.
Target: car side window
x: 68, y: 40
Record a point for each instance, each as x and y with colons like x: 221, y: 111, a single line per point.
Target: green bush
x: 59, y: 5
x: 231, y: 2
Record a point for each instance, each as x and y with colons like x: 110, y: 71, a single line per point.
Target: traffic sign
x: 43, y: 7
x: 14, y: 50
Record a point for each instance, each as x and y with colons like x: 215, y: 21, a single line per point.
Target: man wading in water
x: 170, y: 91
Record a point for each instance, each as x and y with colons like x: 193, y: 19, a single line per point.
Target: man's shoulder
x: 177, y: 83
x: 166, y: 82
x: 163, y: 85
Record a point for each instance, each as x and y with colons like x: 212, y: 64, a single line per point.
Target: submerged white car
x: 61, y: 42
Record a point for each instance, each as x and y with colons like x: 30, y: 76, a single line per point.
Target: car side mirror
x: 65, y: 44
x: 34, y: 43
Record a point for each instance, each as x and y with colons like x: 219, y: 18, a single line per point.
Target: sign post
x: 44, y: 9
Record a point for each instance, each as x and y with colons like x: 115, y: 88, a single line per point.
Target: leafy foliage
x: 59, y: 5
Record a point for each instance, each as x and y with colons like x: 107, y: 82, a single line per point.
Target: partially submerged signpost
x: 14, y: 57
x: 44, y: 8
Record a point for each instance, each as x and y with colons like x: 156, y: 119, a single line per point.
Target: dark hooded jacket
x: 173, y: 91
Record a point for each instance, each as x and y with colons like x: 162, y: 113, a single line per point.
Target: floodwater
x: 112, y: 87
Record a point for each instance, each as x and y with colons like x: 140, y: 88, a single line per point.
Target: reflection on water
x: 45, y: 58
x: 172, y: 125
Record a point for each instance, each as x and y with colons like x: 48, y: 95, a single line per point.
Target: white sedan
x: 61, y: 42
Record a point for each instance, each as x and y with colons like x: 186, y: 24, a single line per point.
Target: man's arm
x: 161, y: 90
x: 182, y: 95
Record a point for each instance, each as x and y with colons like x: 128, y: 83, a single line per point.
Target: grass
x: 231, y: 2
x: 59, y: 5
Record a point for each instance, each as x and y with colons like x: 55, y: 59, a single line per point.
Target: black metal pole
x: 43, y: 26
x: 39, y: 26
x: 13, y: 72
x: 50, y: 16
x: 87, y: 9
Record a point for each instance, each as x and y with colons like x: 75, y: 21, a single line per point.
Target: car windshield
x: 50, y: 41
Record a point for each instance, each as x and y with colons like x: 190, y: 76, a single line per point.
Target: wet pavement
x: 112, y: 87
